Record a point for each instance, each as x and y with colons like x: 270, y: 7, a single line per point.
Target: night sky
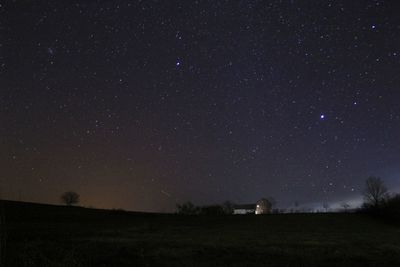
x: 143, y: 104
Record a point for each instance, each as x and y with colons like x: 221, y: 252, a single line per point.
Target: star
x: 242, y: 107
x: 50, y: 51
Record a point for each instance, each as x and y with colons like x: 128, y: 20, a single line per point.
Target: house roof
x: 244, y: 206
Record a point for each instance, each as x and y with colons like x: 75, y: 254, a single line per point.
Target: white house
x: 244, y: 209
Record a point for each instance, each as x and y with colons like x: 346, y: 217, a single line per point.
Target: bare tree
x: 296, y: 205
x: 325, y: 205
x: 70, y: 198
x: 272, y: 201
x: 228, y: 207
x: 345, y: 206
x: 375, y: 191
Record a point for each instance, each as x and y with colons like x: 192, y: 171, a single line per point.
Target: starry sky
x: 143, y: 104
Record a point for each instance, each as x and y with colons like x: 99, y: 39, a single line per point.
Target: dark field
x: 44, y: 235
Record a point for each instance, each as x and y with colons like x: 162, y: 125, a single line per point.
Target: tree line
x: 377, y: 200
x: 188, y: 208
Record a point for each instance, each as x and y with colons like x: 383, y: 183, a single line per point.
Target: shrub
x: 212, y: 210
x: 187, y: 208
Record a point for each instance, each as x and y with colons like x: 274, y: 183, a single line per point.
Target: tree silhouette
x: 263, y: 206
x: 375, y: 191
x: 70, y: 198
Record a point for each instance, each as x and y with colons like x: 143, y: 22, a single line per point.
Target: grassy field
x: 45, y: 235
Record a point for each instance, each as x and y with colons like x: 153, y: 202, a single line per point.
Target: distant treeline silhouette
x: 188, y: 208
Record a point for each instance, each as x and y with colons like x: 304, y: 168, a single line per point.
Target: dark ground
x: 45, y: 235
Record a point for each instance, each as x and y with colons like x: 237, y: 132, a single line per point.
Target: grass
x: 2, y: 234
x: 45, y: 235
